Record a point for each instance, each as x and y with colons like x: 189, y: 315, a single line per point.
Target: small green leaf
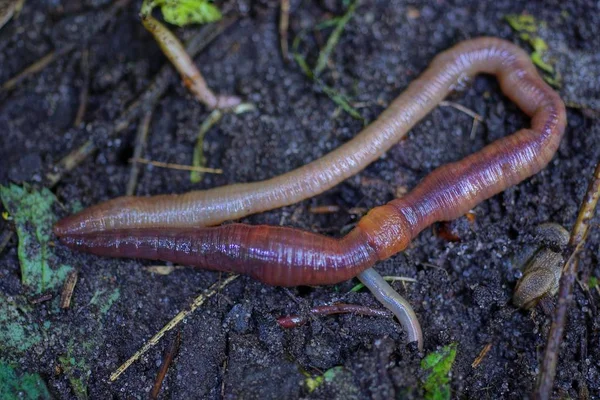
x: 439, y: 364
x: 33, y: 217
x: 185, y: 12
x: 313, y: 383
x: 592, y: 282
x: 21, y: 386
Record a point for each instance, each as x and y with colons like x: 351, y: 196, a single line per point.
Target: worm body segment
x: 160, y: 227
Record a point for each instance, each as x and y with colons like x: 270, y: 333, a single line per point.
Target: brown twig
x: 43, y: 62
x: 284, y: 22
x: 140, y: 146
x: 85, y: 87
x: 180, y: 167
x: 481, y: 355
x: 293, y: 321
x: 68, y: 288
x: 168, y: 358
x: 576, y: 243
x: 144, y: 102
x: 198, y: 301
x: 36, y: 67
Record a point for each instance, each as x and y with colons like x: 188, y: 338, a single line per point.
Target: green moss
x: 438, y: 365
x: 21, y: 386
x: 312, y: 383
x: 32, y: 213
x: 527, y: 27
x: 184, y: 12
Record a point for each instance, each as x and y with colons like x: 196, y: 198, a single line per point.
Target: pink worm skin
x: 166, y: 227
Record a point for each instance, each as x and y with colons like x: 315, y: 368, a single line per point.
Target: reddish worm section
x: 166, y: 227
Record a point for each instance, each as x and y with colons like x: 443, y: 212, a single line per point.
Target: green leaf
x: 313, y: 383
x: 185, y: 12
x: 32, y: 213
x: 21, y: 386
x: 438, y: 364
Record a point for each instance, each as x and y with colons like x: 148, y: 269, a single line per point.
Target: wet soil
x: 232, y: 347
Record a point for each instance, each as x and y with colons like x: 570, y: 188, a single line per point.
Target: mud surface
x: 231, y: 346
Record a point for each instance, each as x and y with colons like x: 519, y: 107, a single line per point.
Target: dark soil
x: 231, y: 346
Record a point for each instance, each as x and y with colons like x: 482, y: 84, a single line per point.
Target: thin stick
x: 476, y: 117
x: 140, y: 146
x: 67, y: 290
x: 198, y: 301
x: 198, y: 159
x: 167, y: 361
x: 284, y: 22
x: 293, y: 321
x: 43, y: 62
x: 36, y: 67
x: 180, y: 167
x: 576, y: 243
x: 85, y: 87
x: 145, y: 101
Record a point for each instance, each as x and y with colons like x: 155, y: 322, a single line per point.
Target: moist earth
x: 232, y: 346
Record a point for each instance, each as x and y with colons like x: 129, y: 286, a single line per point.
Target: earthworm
x: 167, y: 227
x: 293, y: 321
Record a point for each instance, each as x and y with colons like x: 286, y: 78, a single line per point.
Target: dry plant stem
x: 167, y: 361
x: 40, y: 64
x: 177, y: 166
x: 36, y: 67
x: 198, y: 301
x: 85, y: 86
x: 137, y: 227
x: 181, y: 60
x: 293, y: 321
x: 67, y: 290
x: 576, y: 243
x: 144, y: 102
x: 140, y: 145
x: 284, y: 22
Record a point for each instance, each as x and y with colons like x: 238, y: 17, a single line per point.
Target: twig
x: 145, y: 101
x: 284, y: 22
x: 177, y: 166
x: 36, y: 67
x: 198, y: 301
x: 140, y: 145
x: 170, y: 354
x: 198, y: 159
x: 8, y: 9
x: 576, y: 243
x: 68, y: 288
x: 481, y: 355
x: 293, y: 321
x: 213, y: 118
x: 476, y: 117
x: 43, y: 62
x: 85, y: 86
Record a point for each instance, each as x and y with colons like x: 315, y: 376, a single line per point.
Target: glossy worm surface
x: 161, y: 227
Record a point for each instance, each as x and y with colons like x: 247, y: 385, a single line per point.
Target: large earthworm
x: 167, y: 227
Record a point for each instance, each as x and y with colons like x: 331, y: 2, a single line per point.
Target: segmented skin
x: 169, y: 227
